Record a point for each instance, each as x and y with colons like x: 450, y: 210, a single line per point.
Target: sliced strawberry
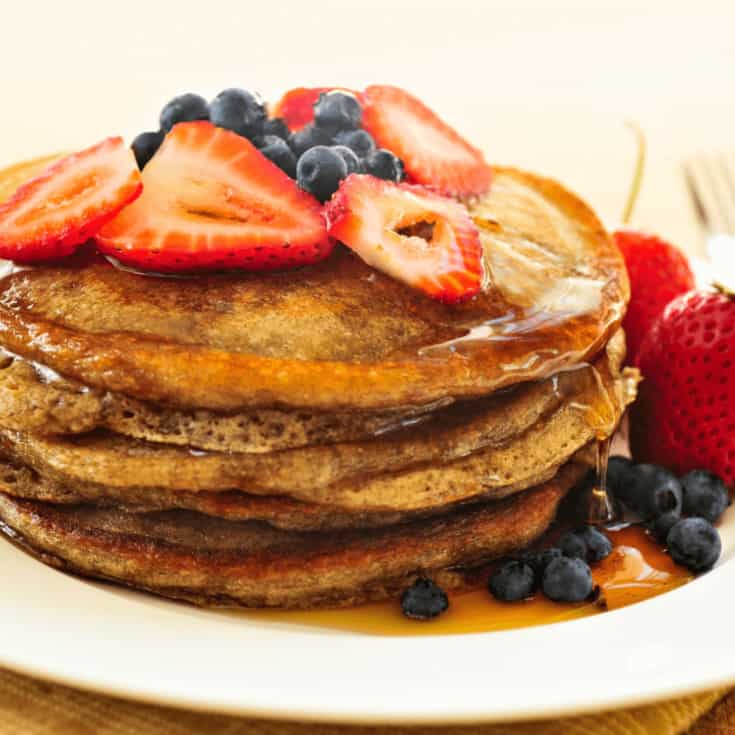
x: 213, y: 201
x: 421, y: 238
x: 49, y: 216
x: 433, y: 153
x: 296, y: 107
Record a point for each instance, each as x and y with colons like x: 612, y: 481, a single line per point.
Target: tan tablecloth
x: 30, y: 707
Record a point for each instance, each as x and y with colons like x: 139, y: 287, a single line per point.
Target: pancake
x: 33, y: 398
x: 30, y: 402
x: 193, y: 557
x: 94, y: 464
x: 338, y: 335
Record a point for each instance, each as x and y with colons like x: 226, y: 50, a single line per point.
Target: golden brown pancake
x: 340, y: 475
x: 338, y: 335
x: 189, y: 556
x: 35, y: 399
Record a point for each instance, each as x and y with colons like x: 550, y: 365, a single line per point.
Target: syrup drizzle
x: 636, y: 570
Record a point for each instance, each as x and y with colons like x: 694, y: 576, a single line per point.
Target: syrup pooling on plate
x: 636, y: 570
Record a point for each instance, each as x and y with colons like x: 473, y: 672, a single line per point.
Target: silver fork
x: 711, y: 183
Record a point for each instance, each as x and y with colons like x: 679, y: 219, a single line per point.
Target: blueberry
x: 308, y: 137
x: 276, y: 126
x: 353, y: 163
x: 512, y: 581
x: 653, y: 491
x: 618, y: 468
x: 184, y: 108
x: 384, y: 165
x: 320, y: 170
x: 599, y: 545
x: 424, y: 600
x: 661, y: 525
x: 567, y: 580
x: 588, y: 543
x: 695, y: 544
x: 573, y: 545
x: 238, y: 110
x: 276, y: 149
x: 145, y: 146
x: 359, y: 140
x: 539, y: 560
x: 705, y: 495
x: 337, y: 111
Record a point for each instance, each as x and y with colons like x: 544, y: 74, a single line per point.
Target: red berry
x: 51, y: 215
x: 416, y: 236
x: 296, y: 107
x: 213, y: 201
x: 658, y: 273
x: 684, y: 418
x: 433, y: 153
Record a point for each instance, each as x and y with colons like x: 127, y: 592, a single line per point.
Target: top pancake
x: 337, y: 335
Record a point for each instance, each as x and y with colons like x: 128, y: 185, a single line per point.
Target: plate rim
x: 638, y: 691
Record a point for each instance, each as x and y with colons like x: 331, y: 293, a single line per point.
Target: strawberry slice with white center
x: 212, y: 201
x: 51, y: 215
x: 433, y: 153
x: 416, y: 236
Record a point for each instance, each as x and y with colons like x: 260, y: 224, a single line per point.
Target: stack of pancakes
x: 320, y: 436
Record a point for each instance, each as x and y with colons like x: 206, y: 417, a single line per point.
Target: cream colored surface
x: 543, y: 85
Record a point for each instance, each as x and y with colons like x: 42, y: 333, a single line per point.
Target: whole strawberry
x: 658, y: 273
x: 684, y: 418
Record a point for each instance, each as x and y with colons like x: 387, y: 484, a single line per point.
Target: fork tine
x: 727, y: 166
x: 711, y: 181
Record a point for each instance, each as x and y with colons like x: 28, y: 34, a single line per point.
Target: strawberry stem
x: 721, y: 288
x: 640, y: 165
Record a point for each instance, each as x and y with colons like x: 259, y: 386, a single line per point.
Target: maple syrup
x: 637, y: 569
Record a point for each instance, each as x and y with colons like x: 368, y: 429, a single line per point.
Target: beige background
x: 538, y: 84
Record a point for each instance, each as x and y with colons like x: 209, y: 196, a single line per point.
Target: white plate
x: 108, y: 639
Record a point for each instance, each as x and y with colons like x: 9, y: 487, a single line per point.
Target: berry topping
x: 653, y: 491
x: 296, y: 107
x: 416, y: 236
x: 567, y: 580
x: 352, y: 162
x: 695, y: 544
x: 213, y: 201
x: 685, y: 415
x: 598, y: 544
x: 276, y: 149
x: 337, y: 111
x: 145, y: 147
x: 573, y: 546
x: 661, y: 526
x: 432, y: 152
x: 424, y: 600
x: 184, y: 108
x: 588, y: 543
x: 320, y: 170
x: 68, y: 203
x: 658, y: 273
x: 384, y: 165
x: 238, y: 110
x: 705, y: 495
x: 309, y: 137
x: 276, y: 126
x: 512, y: 581
x: 358, y: 140
x: 539, y: 560
x: 618, y: 468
